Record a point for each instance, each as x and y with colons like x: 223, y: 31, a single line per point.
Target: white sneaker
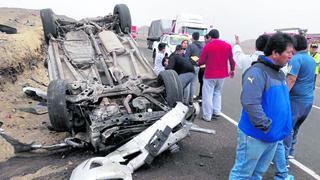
x: 290, y: 157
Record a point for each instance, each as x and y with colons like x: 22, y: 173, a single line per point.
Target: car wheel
x: 59, y: 116
x: 173, y: 87
x: 123, y: 13
x: 48, y: 24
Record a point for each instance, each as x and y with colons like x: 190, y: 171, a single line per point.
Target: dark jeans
x: 300, y: 111
x: 200, y: 78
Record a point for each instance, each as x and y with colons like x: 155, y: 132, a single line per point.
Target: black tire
x: 174, y: 90
x: 123, y: 13
x: 59, y: 116
x: 48, y: 24
x: 8, y: 29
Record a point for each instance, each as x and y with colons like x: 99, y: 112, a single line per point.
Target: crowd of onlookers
x: 278, y: 81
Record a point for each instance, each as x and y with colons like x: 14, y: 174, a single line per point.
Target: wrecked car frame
x: 104, y: 92
x: 101, y: 87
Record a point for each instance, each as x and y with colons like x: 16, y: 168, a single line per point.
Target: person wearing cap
x: 215, y: 55
x: 313, y: 51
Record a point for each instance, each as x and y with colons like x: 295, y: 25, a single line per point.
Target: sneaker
x: 206, y: 119
x: 290, y: 157
x: 215, y: 116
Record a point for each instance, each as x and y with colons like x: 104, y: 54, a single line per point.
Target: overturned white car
x: 103, y: 91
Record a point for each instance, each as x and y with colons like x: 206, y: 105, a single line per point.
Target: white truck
x: 188, y: 24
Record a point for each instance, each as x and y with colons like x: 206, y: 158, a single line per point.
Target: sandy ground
x: 14, y: 48
x: 22, y: 50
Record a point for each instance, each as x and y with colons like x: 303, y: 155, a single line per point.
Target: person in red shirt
x: 215, y: 55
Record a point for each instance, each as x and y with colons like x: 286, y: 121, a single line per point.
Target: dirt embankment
x: 22, y: 50
x: 21, y: 64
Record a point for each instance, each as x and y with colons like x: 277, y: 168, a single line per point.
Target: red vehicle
x: 134, y: 32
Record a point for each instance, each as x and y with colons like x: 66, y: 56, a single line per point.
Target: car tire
x: 59, y: 116
x: 48, y: 24
x: 8, y: 29
x: 173, y: 87
x: 123, y: 13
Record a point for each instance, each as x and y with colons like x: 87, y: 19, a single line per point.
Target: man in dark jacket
x: 184, y: 69
x: 266, y: 115
x: 193, y: 53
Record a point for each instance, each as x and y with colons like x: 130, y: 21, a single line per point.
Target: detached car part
x: 142, y: 149
x: 7, y: 29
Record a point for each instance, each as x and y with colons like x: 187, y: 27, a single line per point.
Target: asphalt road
x: 202, y: 156
x: 222, y: 145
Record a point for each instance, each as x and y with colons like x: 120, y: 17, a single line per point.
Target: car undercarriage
x: 104, y: 92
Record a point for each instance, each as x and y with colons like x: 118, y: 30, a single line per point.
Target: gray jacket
x: 194, y: 49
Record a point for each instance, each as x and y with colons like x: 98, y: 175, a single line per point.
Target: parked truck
x: 157, y: 29
x: 188, y: 24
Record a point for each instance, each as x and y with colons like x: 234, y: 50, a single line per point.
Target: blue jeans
x: 211, y: 97
x: 280, y: 162
x: 185, y: 80
x: 253, y: 158
x: 300, y: 111
x: 193, y: 82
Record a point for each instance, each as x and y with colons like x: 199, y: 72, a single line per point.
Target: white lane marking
x: 305, y: 169
x: 317, y: 107
x: 293, y: 161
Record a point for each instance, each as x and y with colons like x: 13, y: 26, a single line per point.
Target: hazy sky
x: 247, y: 18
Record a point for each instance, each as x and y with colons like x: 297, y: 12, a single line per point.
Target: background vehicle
x: 156, y: 29
x: 172, y: 40
x: 188, y: 24
x: 311, y: 37
x: 134, y: 32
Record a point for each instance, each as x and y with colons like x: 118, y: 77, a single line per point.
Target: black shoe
x: 215, y: 116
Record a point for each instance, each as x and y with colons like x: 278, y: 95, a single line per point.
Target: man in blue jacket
x: 266, y: 115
